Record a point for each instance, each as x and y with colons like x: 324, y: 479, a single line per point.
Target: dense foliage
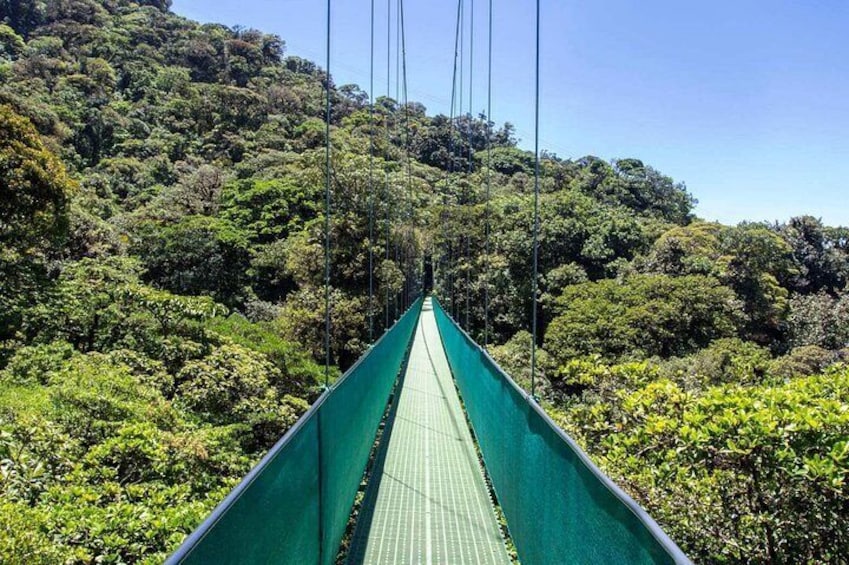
x: 161, y: 300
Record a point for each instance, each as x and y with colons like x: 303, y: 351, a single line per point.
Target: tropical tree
x: 641, y: 316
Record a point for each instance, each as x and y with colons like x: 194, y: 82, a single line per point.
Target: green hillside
x: 162, y: 298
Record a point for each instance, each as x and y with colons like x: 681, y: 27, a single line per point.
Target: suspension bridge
x: 425, y: 451
x: 426, y: 498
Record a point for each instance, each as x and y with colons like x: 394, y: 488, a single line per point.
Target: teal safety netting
x: 559, y: 507
x: 294, y: 505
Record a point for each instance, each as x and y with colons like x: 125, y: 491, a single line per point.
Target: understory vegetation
x: 162, y: 300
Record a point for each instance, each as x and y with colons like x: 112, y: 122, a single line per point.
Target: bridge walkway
x: 427, y: 501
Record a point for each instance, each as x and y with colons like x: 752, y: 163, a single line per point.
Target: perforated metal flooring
x: 427, y: 501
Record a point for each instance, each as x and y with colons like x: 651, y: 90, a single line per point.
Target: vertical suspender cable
x: 397, y: 134
x: 462, y: 66
x: 536, y: 213
x: 371, y: 188
x: 327, y: 218
x: 405, y: 215
x: 488, y: 185
x: 410, y: 219
x: 468, y: 280
x: 462, y: 83
x: 397, y: 54
x: 469, y: 126
x: 403, y: 101
x: 450, y: 269
x: 471, y: 64
x: 326, y: 295
x: 388, y: 140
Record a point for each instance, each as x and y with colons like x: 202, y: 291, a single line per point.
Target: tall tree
x: 822, y: 262
x: 34, y: 192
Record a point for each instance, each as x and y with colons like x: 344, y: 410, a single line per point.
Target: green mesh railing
x: 294, y: 506
x: 559, y: 507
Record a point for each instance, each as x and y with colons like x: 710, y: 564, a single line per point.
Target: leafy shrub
x: 724, y: 361
x: 93, y: 397
x: 302, y: 321
x: 233, y: 384
x: 735, y: 474
x: 31, y: 365
x: 35, y: 454
x: 819, y: 319
x: 25, y: 537
x: 100, y: 305
x: 296, y: 372
x: 112, y: 524
x: 589, y: 375
x: 642, y: 316
x: 515, y: 358
x: 803, y: 361
x: 147, y: 371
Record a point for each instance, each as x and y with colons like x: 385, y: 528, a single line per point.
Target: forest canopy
x: 161, y: 293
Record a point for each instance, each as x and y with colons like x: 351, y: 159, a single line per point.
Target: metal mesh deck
x: 430, y: 501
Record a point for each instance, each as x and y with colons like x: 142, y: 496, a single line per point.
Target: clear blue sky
x: 747, y: 101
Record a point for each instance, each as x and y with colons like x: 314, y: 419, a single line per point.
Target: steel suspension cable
x: 450, y: 270
x: 397, y: 128
x: 462, y: 83
x: 488, y: 185
x: 327, y: 217
x: 371, y: 187
x: 469, y: 141
x: 397, y: 55
x: 410, y: 218
x: 471, y: 61
x: 536, y: 211
x: 462, y: 66
x: 327, y: 186
x: 388, y: 142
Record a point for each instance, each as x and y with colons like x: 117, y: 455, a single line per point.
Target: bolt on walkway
x: 427, y: 500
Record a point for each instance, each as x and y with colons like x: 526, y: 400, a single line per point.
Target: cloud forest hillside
x: 161, y: 293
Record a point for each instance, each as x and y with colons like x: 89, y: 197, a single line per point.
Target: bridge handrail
x: 320, y: 522
x: 669, y: 551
